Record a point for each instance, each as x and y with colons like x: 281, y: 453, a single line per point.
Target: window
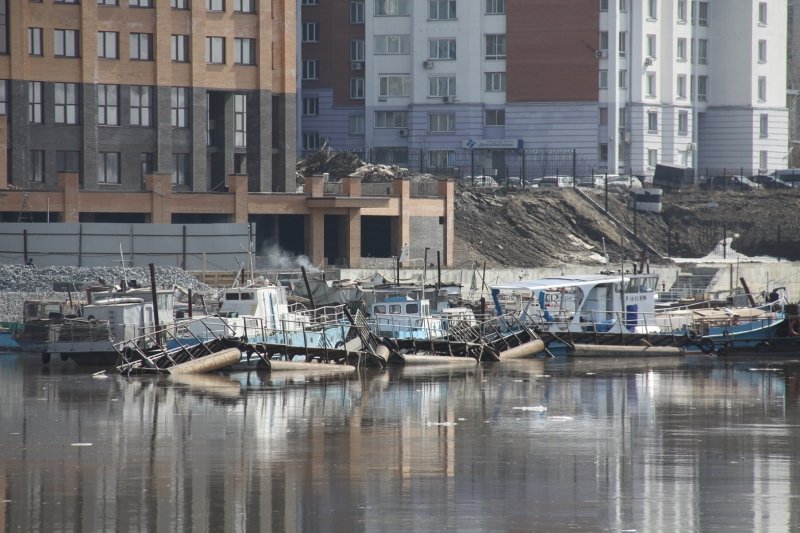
x: 762, y: 13
x: 141, y: 105
x: 310, y: 69
x: 68, y: 161
x: 440, y: 86
x: 179, y: 4
x: 763, y: 126
x: 495, y: 7
x: 37, y: 165
x: 762, y: 88
x: 244, y: 6
x: 179, y: 107
x: 142, y: 46
x: 495, y: 82
x: 66, y: 43
x: 215, y: 50
x: 496, y: 46
x: 357, y: 90
x: 244, y: 51
x: 389, y: 8
x: 108, y: 44
x: 108, y: 167
x: 108, y: 105
x: 215, y: 5
x: 763, y: 159
x: 442, y: 49
x: 683, y: 122
x: 180, y: 169
x: 651, y: 84
x: 652, y: 157
x: 441, y: 122
x: 652, y: 9
x: 310, y: 140
x: 240, y: 120
x: 35, y: 102
x: 140, y: 3
x: 680, y: 88
x: 652, y: 122
x: 602, y: 118
x: 146, y: 160
x: 623, y: 79
x: 603, y: 5
x: 437, y: 158
x: 357, y: 50
x: 602, y: 152
x: 762, y: 50
x: 681, y: 49
x: 394, y: 86
x: 108, y: 2
x: 623, y: 43
x: 392, y: 44
x: 310, y: 106
x: 35, y: 41
x: 309, y: 3
x: 391, y: 119
x: 623, y: 5
x: 702, y: 13
x: 442, y: 9
x: 66, y: 100
x: 681, y: 10
x: 603, y: 79
x: 311, y: 32
x: 651, y: 46
x: 702, y: 88
x: 3, y: 97
x: 180, y: 48
x: 357, y: 11
x: 356, y: 126
x: 494, y: 117
x: 702, y: 51
x: 603, y: 40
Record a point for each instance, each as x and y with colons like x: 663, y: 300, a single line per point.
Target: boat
x: 404, y: 317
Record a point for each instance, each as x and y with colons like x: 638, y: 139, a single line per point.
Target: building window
x: 495, y: 82
x: 179, y: 107
x: 108, y: 167
x: 108, y: 105
x: 392, y: 8
x: 37, y: 165
x: 35, y: 115
x: 442, y: 49
x: 311, y: 32
x: 141, y: 105
x: 702, y: 88
x: 762, y: 50
x: 495, y: 7
x: 652, y: 9
x: 108, y: 44
x: 310, y: 140
x: 763, y: 126
x: 681, y: 10
x: 394, y: 86
x: 442, y: 9
x: 652, y: 122
x: 496, y: 46
x: 602, y: 119
x: 3, y: 97
x: 309, y: 3
x: 240, y: 120
x: 68, y: 161
x: 494, y: 117
x: 623, y: 5
x: 142, y: 46
x: 391, y: 119
x: 441, y: 122
x: 310, y: 69
x: 603, y: 84
x: 603, y: 40
x: 623, y: 43
x: 681, y: 49
x: 762, y: 88
x: 180, y: 169
x: 107, y: 2
x: 623, y: 79
x: 357, y: 11
x: 140, y: 3
x: 215, y: 5
x: 66, y: 103
x: 179, y: 4
x: 357, y: 90
x: 603, y: 6
x: 441, y: 158
x: 310, y: 106
x: 651, y: 46
x: 357, y: 52
x: 702, y: 51
x: 244, y: 51
x: 215, y: 50
x: 35, y: 41
x: 652, y: 157
x: 66, y: 43
x: 244, y: 6
x: 392, y: 44
x: 763, y: 160
x: 762, y: 13
x: 602, y: 154
x: 651, y: 84
x: 146, y: 163
x: 681, y: 86
x: 702, y: 13
x: 180, y: 48
x: 683, y: 122
x: 356, y: 125
x: 440, y: 86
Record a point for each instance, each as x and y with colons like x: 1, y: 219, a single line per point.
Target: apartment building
x: 114, y: 90
x: 626, y: 84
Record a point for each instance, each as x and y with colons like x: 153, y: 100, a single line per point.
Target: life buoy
x: 794, y: 327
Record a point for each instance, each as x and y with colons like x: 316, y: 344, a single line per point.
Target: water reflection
x: 643, y: 445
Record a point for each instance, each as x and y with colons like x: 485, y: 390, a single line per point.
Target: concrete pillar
x: 354, y: 238
x: 159, y: 184
x: 315, y: 186
x: 315, y: 241
x: 402, y: 190
x: 447, y: 191
x: 69, y: 183
x: 3, y: 152
x: 237, y: 185
x: 351, y: 186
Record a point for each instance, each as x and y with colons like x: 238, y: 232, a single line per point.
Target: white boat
x: 403, y: 317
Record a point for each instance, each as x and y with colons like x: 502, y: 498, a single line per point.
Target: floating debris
x: 536, y: 409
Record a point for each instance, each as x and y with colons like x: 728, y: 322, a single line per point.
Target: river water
x: 699, y: 444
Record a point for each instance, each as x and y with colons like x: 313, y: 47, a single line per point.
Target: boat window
x: 412, y: 308
x: 395, y: 309
x: 247, y: 296
x: 231, y: 295
x: 380, y: 309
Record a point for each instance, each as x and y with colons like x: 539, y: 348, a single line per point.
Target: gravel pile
x: 20, y: 282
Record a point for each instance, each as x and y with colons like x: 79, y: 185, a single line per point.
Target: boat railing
x: 400, y: 326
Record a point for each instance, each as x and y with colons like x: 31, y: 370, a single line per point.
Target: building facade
x: 626, y: 84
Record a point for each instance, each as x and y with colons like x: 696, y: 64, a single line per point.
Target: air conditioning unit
x: 427, y: 64
x: 403, y: 133
x: 356, y: 65
x: 447, y: 99
x: 649, y: 61
x: 600, y: 53
x: 382, y: 99
x: 624, y: 135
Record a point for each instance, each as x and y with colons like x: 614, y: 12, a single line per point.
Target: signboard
x: 493, y: 144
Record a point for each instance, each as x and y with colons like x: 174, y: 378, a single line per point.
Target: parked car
x: 617, y: 182
x: 790, y: 176
x: 556, y: 181
x: 731, y: 181
x: 769, y: 182
x: 479, y: 181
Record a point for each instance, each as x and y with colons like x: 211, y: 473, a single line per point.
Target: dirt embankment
x: 547, y: 227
